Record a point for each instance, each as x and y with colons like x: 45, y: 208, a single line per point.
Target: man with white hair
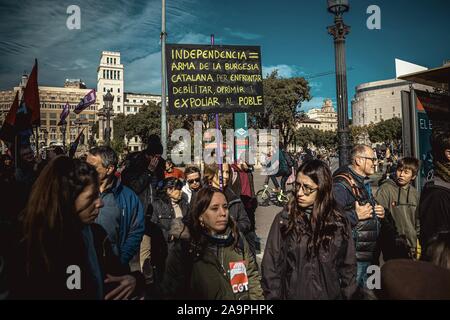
x: 353, y: 193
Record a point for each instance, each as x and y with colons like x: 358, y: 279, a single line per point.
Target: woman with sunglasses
x: 310, y: 253
x: 193, y: 182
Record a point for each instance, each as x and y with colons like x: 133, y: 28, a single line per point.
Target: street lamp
x: 108, y: 98
x: 339, y: 30
x: 45, y: 136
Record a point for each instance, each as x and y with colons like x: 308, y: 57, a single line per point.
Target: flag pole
x: 37, y: 141
x: 218, y: 142
x: 15, y: 152
x: 163, y: 80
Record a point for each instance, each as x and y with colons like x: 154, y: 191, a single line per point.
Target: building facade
x: 53, y: 100
x: 325, y: 115
x: 110, y: 77
x: 381, y: 100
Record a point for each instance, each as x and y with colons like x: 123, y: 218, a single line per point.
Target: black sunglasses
x: 190, y: 181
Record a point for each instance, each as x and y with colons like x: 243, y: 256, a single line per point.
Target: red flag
x: 31, y: 96
x: 7, y: 132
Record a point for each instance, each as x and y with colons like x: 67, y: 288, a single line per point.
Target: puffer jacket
x: 220, y: 272
x: 365, y: 232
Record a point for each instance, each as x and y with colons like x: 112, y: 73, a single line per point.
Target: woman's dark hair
x: 50, y: 220
x: 165, y: 184
x: 438, y: 249
x: 325, y: 216
x: 199, y: 206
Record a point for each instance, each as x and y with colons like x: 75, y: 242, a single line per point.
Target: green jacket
x: 401, y: 203
x: 207, y: 276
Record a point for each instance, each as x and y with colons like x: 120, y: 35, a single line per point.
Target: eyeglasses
x: 306, y: 190
x: 191, y: 181
x: 373, y: 159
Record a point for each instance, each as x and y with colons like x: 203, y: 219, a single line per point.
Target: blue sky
x: 292, y: 35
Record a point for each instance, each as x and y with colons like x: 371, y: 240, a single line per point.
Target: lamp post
x: 339, y: 30
x: 45, y: 136
x: 108, y: 98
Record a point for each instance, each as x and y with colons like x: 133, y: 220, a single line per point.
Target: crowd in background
x: 145, y: 229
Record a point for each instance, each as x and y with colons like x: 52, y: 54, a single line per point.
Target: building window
x: 134, y: 101
x: 114, y: 60
x: 380, y: 110
x: 118, y: 109
x: 393, y: 109
x: 136, y: 148
x: 392, y: 92
x: 118, y: 99
x: 142, y: 101
x: 118, y: 90
x: 118, y: 75
x: 104, y: 89
x: 375, y: 111
x: 135, y: 109
x: 128, y: 109
x: 104, y: 74
x: 115, y: 72
x: 376, y: 118
x: 135, y: 139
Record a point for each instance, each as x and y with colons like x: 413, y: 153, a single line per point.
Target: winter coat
x: 287, y: 272
x: 122, y: 216
x: 163, y: 214
x: 401, y: 202
x: 365, y: 232
x: 434, y: 210
x: 221, y: 272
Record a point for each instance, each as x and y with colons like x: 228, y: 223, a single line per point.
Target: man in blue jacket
x: 122, y: 214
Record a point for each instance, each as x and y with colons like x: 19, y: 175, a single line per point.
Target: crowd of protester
x: 145, y: 229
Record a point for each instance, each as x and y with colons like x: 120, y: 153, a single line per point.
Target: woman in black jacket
x: 168, y: 206
x: 310, y: 253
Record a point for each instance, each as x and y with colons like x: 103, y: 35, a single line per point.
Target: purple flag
x: 64, y: 113
x: 86, y: 101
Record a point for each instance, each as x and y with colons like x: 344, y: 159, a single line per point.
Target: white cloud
x: 284, y: 71
x: 195, y: 38
x: 243, y: 35
x: 144, y: 75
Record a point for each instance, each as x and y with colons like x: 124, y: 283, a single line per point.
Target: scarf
x: 221, y: 240
x: 442, y: 170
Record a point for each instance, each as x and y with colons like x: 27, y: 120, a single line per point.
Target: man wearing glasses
x: 193, y: 182
x: 353, y: 194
